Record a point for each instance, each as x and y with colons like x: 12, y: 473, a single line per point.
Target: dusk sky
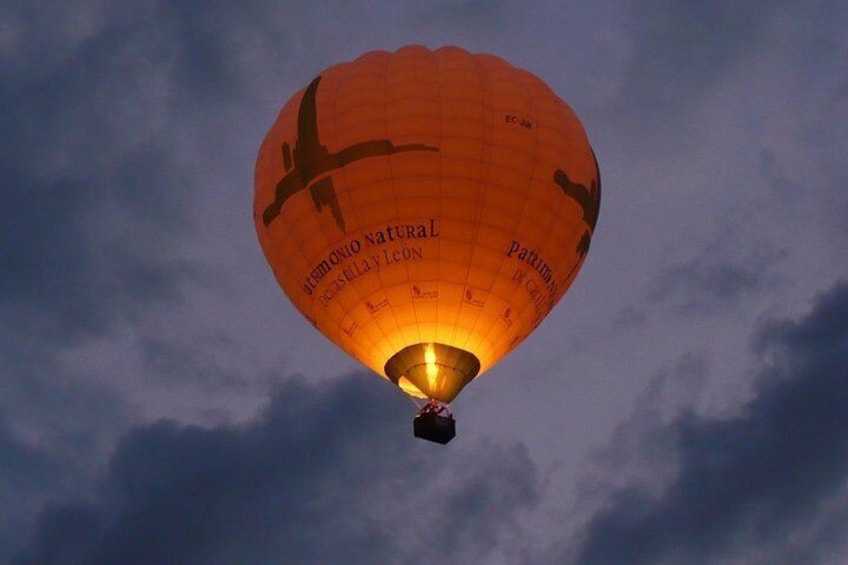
x: 161, y: 401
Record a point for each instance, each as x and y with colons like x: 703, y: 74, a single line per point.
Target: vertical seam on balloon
x: 472, y: 329
x: 329, y: 94
x: 454, y: 339
x: 485, y: 159
x: 576, y: 234
x: 576, y: 225
x: 554, y: 216
x: 268, y: 245
x: 376, y: 355
x: 502, y: 269
x: 391, y: 307
x: 440, y: 291
x: 351, y: 212
x: 308, y: 311
x: 366, y: 339
x: 485, y: 334
x: 414, y: 306
x: 435, y: 70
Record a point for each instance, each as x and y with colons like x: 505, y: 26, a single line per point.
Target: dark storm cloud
x: 53, y: 432
x: 768, y: 485
x: 26, y: 473
x: 327, y: 475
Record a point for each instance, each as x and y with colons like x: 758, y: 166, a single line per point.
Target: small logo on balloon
x: 505, y: 317
x: 424, y: 293
x: 378, y: 306
x: 474, y: 299
x: 349, y: 326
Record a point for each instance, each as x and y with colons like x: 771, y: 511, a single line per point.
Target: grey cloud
x: 171, y: 363
x: 766, y: 486
x: 98, y: 193
x: 477, y: 13
x: 682, y: 47
x: 50, y: 402
x: 729, y: 267
x: 99, y: 145
x: 63, y: 279
x: 40, y: 244
x: 629, y: 318
x: 329, y: 474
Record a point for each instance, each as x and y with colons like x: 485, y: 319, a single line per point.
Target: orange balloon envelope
x: 425, y: 210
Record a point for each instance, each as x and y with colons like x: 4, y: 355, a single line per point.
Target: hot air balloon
x: 425, y: 211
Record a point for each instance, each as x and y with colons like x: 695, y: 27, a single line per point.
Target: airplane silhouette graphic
x: 313, y: 162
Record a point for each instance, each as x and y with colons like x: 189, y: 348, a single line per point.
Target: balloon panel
x: 423, y: 197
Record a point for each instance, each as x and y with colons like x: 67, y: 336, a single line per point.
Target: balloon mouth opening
x: 432, y: 370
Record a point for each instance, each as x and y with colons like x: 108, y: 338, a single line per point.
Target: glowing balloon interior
x: 425, y: 210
